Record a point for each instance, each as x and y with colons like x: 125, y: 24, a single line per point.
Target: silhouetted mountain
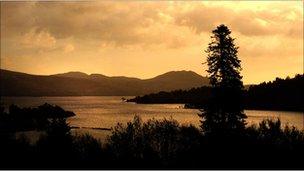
x: 77, y: 83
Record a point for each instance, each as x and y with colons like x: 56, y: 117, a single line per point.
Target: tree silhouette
x: 224, y: 111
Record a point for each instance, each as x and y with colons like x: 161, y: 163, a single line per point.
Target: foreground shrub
x: 154, y: 143
x: 157, y: 144
x: 165, y: 143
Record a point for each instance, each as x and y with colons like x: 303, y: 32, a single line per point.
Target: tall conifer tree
x: 224, y: 113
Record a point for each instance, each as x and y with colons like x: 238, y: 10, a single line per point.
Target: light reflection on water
x: 107, y: 111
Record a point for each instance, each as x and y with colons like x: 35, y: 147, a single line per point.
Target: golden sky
x: 144, y: 39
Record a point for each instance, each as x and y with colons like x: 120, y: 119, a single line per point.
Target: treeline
x: 156, y: 144
x: 280, y: 94
x: 194, y: 96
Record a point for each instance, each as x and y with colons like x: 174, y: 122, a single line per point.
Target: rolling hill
x: 81, y: 84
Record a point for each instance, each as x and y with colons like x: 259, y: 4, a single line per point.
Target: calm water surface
x: 107, y: 111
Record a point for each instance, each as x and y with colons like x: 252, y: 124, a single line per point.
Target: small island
x: 31, y: 118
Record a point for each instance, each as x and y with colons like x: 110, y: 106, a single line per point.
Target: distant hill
x: 78, y: 84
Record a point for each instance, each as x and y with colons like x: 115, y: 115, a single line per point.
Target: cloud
x: 247, y: 22
x: 202, y: 18
x: 118, y: 24
x: 38, y: 39
x: 107, y: 22
x: 69, y: 48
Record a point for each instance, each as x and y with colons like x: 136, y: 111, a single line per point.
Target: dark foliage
x: 280, y: 94
x: 56, y: 146
x: 157, y: 144
x: 166, y: 144
x: 89, y: 152
x: 152, y: 144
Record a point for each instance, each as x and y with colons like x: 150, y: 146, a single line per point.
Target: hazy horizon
x: 110, y: 38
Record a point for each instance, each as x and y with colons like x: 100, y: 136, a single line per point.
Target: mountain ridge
x: 77, y: 83
x: 77, y: 74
